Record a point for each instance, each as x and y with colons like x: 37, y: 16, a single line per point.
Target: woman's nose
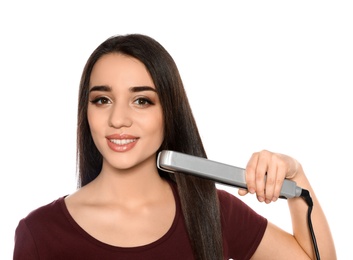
x: 120, y: 116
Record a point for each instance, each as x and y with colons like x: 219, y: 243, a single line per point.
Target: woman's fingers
x: 265, y: 173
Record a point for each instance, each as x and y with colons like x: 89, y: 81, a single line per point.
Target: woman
x: 132, y: 104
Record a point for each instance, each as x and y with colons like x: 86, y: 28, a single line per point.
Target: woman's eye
x: 143, y: 102
x: 100, y: 101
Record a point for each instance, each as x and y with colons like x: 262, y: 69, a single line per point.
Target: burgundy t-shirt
x: 50, y: 232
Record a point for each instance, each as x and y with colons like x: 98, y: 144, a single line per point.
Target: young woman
x: 132, y: 105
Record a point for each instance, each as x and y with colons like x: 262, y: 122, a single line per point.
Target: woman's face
x: 124, y: 112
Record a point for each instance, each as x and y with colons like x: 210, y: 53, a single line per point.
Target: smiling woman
x: 124, y: 111
x: 132, y: 105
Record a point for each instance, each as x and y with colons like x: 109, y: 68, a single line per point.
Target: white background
x: 273, y: 75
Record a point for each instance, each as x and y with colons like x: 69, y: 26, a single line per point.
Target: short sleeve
x: 25, y: 247
x: 242, y: 227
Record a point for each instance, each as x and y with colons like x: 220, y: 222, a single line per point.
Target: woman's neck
x: 133, y: 185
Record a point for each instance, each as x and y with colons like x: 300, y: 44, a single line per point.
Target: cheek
x: 160, y: 128
x: 155, y: 123
x: 94, y: 121
x: 90, y: 119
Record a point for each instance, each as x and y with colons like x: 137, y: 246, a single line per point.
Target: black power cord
x: 306, y: 196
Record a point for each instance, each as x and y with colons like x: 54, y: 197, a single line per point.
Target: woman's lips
x: 121, y: 142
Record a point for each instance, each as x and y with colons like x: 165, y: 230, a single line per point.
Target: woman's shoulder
x: 45, y: 212
x: 233, y: 207
x: 226, y: 198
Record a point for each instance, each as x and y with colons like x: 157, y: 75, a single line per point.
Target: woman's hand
x: 265, y: 173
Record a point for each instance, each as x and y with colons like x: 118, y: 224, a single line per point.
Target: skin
x: 287, y: 246
x: 129, y: 204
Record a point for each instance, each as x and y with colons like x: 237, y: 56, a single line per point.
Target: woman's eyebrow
x: 101, y: 88
x: 132, y: 89
x: 142, y: 88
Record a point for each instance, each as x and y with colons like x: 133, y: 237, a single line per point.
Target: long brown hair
x: 198, y: 196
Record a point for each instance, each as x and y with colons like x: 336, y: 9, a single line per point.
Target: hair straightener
x: 172, y: 161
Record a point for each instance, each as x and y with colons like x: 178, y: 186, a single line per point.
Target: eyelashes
x: 100, y: 101
x: 140, y: 101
